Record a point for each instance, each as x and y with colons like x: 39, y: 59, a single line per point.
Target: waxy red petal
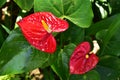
x: 82, y: 49
x: 32, y: 30
x: 91, y: 62
x: 36, y: 35
x: 47, y: 45
x: 79, y: 64
x: 54, y: 23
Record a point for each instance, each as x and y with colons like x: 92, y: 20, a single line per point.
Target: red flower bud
x: 82, y: 60
x: 37, y: 29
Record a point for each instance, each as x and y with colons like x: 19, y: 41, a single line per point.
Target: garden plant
x: 62, y: 39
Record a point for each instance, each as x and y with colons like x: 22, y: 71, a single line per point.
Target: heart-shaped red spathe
x: 35, y: 33
x: 79, y: 63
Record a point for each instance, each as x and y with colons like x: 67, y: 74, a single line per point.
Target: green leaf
x: 2, y: 2
x: 39, y: 59
x: 109, y: 61
x: 73, y: 10
x: 15, y: 45
x: 91, y: 75
x: 48, y: 74
x: 111, y: 25
x: 6, y: 29
x: 109, y: 67
x: 17, y: 56
x: 107, y: 73
x: 103, y: 24
x: 74, y: 34
x: 112, y: 30
x: 24, y: 4
x: 112, y: 48
x: 61, y: 67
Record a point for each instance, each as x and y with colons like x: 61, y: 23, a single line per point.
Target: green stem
x: 62, y: 17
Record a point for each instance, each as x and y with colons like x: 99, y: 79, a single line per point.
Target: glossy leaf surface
x: 109, y: 67
x: 73, y: 10
x: 109, y: 36
x: 23, y: 4
x: 61, y: 64
x: 91, y: 75
x: 21, y: 56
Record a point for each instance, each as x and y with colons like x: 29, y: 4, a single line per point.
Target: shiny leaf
x: 74, y: 34
x: 107, y: 73
x: 17, y: 56
x: 103, y: 24
x: 110, y: 38
x: 60, y: 67
x: 73, y: 10
x: 91, y: 75
x: 24, y: 5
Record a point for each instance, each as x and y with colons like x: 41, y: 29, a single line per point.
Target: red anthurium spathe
x: 82, y: 59
x: 38, y: 27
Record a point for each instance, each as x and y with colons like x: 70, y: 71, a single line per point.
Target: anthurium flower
x: 38, y: 27
x: 82, y: 59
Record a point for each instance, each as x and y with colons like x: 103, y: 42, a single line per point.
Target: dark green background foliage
x: 86, y: 23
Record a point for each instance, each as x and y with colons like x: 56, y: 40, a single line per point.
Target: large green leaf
x: 73, y: 10
x: 24, y: 4
x: 112, y: 26
x: 109, y: 68
x: 61, y: 66
x: 13, y: 46
x: 110, y: 33
x: 112, y: 47
x: 107, y: 73
x: 17, y: 56
x: 103, y: 24
x: 91, y: 75
x: 109, y: 61
x: 2, y: 2
x: 74, y: 34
